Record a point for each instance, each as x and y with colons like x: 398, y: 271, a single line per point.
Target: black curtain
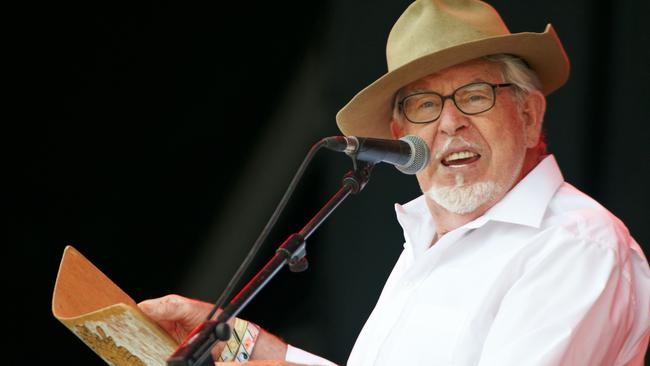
x: 157, y: 138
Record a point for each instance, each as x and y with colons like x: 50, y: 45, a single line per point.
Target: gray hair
x: 516, y: 71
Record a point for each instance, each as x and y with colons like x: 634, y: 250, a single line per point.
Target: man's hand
x: 179, y: 315
x: 176, y: 314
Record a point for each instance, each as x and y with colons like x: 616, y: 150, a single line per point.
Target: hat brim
x: 369, y: 112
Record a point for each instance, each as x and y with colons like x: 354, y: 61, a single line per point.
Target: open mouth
x: 460, y: 158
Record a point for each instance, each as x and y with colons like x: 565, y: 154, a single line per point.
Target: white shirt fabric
x: 547, y: 276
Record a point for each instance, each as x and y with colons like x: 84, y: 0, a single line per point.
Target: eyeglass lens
x: 469, y: 99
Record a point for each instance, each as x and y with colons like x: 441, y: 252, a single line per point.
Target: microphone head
x: 419, y: 155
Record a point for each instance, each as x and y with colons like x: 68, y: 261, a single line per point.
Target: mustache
x: 442, y: 151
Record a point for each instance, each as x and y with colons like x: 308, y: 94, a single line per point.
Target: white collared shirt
x: 547, y: 276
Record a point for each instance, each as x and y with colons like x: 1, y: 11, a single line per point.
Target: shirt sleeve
x: 297, y: 355
x: 574, y: 307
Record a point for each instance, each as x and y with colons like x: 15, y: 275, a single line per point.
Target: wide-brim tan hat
x: 432, y: 35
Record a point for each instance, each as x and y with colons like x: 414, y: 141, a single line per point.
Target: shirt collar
x: 527, y: 201
x: 525, y: 204
x: 417, y: 222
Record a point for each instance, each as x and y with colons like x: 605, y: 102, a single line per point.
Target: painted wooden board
x: 104, y: 317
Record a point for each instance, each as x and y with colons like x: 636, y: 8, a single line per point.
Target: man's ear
x: 396, y: 130
x: 532, y: 112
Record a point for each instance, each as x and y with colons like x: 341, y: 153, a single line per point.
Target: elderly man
x: 504, y: 263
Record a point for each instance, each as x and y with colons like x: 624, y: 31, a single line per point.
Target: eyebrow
x: 400, y: 93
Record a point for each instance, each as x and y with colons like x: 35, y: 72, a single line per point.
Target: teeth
x: 460, y: 155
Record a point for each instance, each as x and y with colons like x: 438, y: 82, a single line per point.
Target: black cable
x: 267, y: 229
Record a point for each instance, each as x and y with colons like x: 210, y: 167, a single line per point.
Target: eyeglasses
x: 470, y: 99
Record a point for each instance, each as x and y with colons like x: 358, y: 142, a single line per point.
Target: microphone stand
x: 195, y: 349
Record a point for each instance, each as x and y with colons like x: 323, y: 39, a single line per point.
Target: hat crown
x: 428, y: 26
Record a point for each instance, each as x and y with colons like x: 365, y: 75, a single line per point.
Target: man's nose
x: 452, y: 119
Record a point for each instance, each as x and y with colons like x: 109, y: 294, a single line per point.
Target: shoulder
x: 578, y: 216
x: 577, y: 226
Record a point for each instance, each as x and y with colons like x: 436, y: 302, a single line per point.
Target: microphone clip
x: 357, y: 178
x: 295, y: 251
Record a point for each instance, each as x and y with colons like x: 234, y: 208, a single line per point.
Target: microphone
x: 409, y: 155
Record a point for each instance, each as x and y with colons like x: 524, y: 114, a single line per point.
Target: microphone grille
x: 419, y: 155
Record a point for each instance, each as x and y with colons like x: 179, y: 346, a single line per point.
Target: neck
x: 447, y: 221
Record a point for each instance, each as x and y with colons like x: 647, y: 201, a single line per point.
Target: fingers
x: 176, y: 314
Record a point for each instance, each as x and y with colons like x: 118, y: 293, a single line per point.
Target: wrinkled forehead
x: 449, y: 79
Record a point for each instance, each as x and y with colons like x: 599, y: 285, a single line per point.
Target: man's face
x: 475, y: 159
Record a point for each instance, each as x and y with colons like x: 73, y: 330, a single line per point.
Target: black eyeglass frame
x: 451, y: 96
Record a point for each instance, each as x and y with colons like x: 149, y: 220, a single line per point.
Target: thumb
x: 171, y: 308
x: 177, y: 315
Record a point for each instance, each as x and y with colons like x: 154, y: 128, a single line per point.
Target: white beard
x: 461, y: 199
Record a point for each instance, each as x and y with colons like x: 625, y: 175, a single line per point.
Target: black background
x: 157, y: 137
